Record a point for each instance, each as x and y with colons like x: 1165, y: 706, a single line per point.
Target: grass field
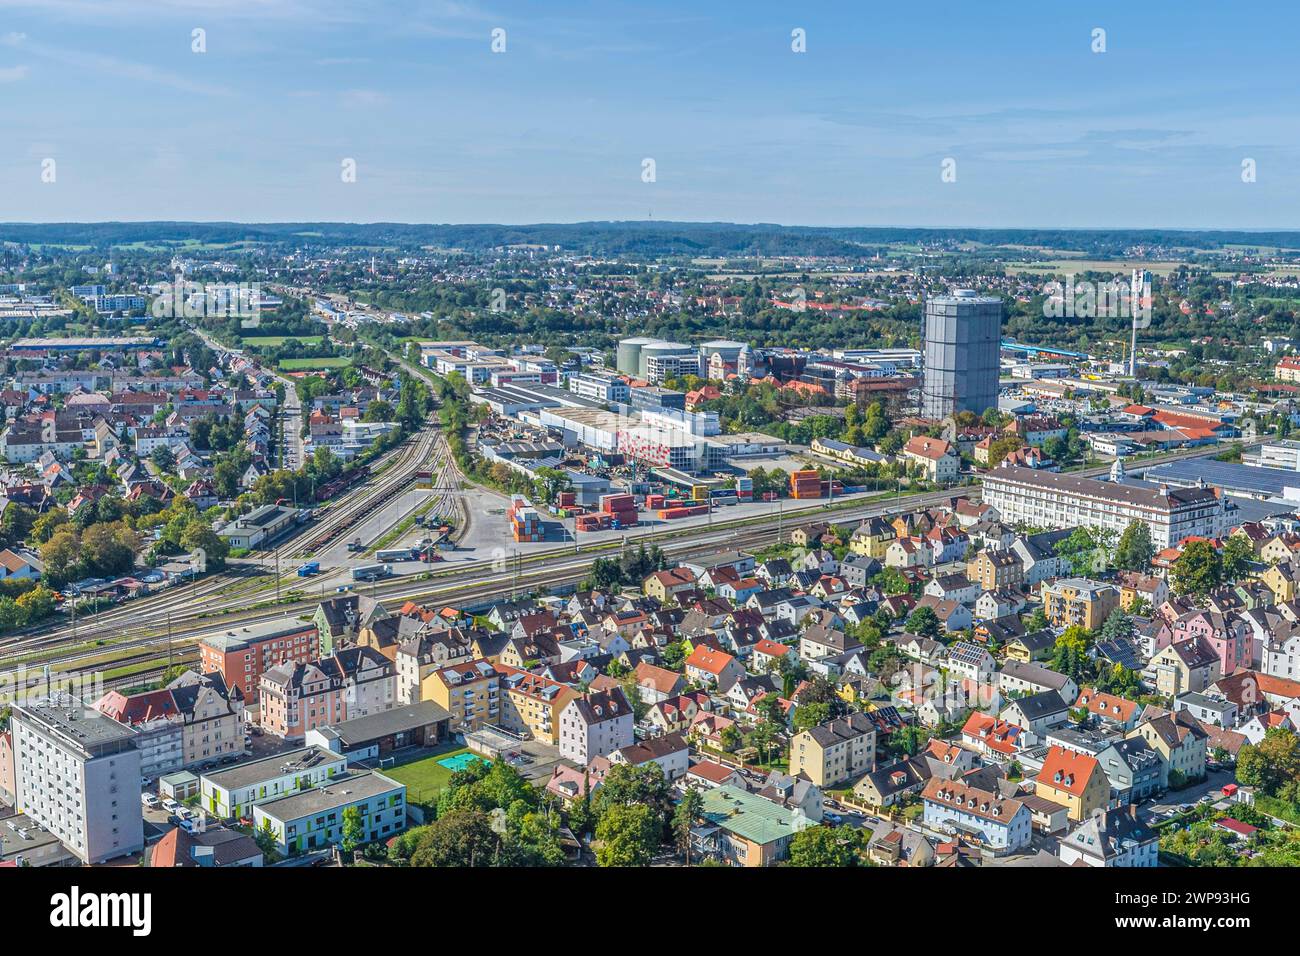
x: 425, y: 777
x: 271, y: 341
x: 307, y: 364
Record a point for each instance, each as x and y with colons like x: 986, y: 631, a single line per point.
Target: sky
x: 109, y: 99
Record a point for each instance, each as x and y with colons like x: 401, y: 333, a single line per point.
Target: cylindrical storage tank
x: 628, y: 353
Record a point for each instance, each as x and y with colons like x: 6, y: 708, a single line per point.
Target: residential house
x: 839, y: 750
x: 1074, y: 780
x: 595, y: 724
x: 999, y: 823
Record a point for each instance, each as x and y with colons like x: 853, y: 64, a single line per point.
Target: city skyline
x: 856, y: 130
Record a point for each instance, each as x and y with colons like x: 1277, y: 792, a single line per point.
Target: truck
x: 308, y: 569
x: 355, y: 545
x: 371, y: 572
x: 393, y: 554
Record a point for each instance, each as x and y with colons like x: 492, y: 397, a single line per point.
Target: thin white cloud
x: 12, y: 74
x: 114, y: 66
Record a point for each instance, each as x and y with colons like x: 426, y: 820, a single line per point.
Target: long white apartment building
x: 1051, y: 500
x: 77, y: 774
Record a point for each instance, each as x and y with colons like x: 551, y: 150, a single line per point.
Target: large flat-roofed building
x: 313, y: 819
x: 233, y: 792
x: 963, y: 334
x: 1049, y: 499
x: 78, y: 775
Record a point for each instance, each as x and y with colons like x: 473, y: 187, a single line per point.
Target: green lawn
x: 424, y: 777
x: 306, y: 364
x: 271, y: 341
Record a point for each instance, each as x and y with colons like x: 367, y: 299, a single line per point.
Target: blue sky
x: 1044, y: 132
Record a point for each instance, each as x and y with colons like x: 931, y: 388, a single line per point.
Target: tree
x: 764, y: 736
x: 627, y: 786
x: 460, y: 838
x: 199, y: 534
x: 1082, y: 549
x: 1273, y: 764
x: 1118, y: 626
x: 354, y: 830
x: 893, y: 581
x: 628, y: 836
x: 1237, y: 557
x: 163, y: 458
x: 1197, y: 570
x: 923, y: 621
x: 1037, y: 620
x: 810, y: 715
x: 823, y: 846
x: 684, y: 817
x: 1135, y: 548
x: 61, y: 555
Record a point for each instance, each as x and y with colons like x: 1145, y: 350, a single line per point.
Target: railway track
x: 558, y: 569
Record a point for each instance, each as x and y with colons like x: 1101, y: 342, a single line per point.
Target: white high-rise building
x: 77, y: 774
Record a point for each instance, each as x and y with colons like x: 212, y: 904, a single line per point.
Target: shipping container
x: 685, y: 511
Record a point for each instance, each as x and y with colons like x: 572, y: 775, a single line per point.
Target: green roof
x: 758, y: 820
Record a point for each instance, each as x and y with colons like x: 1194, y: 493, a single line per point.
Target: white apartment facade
x: 1049, y: 499
x: 77, y: 774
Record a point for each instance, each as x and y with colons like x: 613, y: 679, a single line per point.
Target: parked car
x: 149, y: 800
x: 170, y: 805
x: 833, y: 817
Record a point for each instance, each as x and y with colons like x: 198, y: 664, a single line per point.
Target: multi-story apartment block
x: 994, y: 569
x: 999, y: 823
x: 606, y: 389
x: 1073, y: 780
x: 468, y: 690
x: 1050, y: 499
x: 193, y: 720
x: 595, y: 725
x: 298, y: 697
x: 531, y: 704
x: 839, y: 750
x: 420, y: 656
x: 1079, y: 601
x: 242, y: 654
x: 77, y: 774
